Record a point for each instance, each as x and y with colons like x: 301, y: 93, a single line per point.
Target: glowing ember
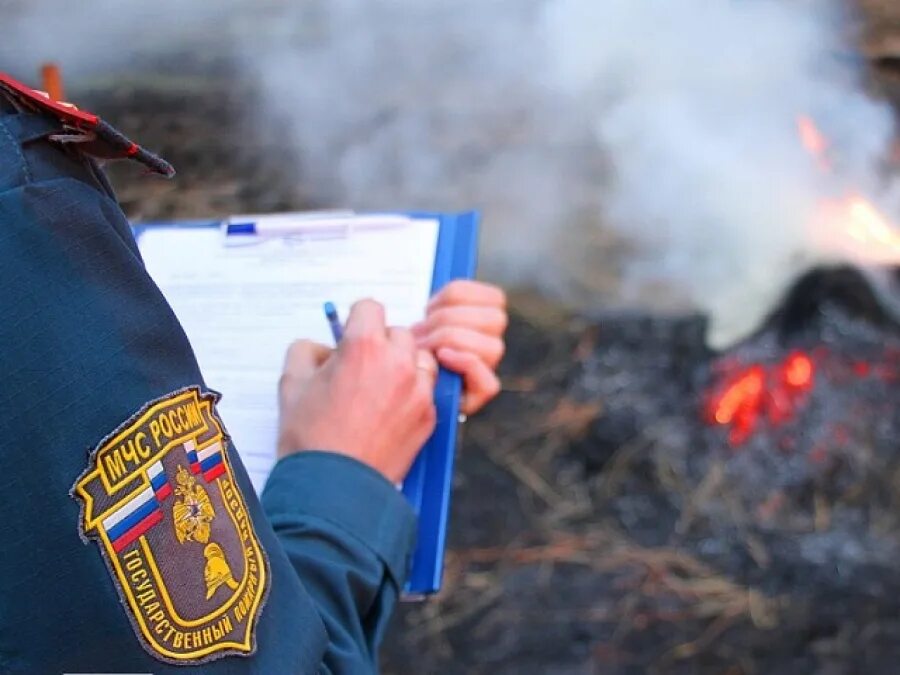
x: 798, y: 371
x: 740, y: 403
x: 750, y: 394
x: 756, y: 391
x: 743, y: 393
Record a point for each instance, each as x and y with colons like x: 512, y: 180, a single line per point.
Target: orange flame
x: 867, y: 225
x: 852, y: 226
x: 814, y: 141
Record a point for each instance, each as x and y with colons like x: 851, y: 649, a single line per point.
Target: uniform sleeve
x: 87, y: 340
x: 349, y: 534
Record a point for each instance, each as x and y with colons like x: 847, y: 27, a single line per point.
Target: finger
x: 488, y: 348
x: 481, y: 383
x: 488, y: 320
x: 366, y: 319
x: 403, y: 340
x: 423, y: 401
x: 427, y: 366
x: 469, y: 292
x: 304, y: 357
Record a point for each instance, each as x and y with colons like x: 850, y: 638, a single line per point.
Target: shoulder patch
x: 160, y: 499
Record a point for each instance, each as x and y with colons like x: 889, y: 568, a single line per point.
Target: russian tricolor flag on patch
x: 162, y: 488
x: 190, y: 448
x: 211, y: 462
x: 132, y: 520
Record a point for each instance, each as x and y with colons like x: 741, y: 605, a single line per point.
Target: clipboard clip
x: 310, y: 226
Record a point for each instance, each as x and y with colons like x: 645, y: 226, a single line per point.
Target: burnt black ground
x: 654, y: 545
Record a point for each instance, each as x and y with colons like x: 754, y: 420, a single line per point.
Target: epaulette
x: 93, y: 136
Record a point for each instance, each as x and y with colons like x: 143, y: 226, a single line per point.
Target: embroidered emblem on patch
x: 160, y: 499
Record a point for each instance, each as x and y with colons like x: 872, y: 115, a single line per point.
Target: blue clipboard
x: 430, y: 480
x: 428, y: 485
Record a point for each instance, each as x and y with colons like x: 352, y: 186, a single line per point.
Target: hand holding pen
x: 464, y: 327
x: 371, y: 399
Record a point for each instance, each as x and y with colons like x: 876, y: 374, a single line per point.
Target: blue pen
x: 337, y: 331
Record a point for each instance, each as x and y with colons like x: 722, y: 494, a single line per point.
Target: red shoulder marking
x: 34, y: 99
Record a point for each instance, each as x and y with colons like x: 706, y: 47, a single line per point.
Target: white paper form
x: 241, y: 306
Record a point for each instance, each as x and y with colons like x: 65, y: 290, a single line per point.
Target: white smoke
x: 697, y: 104
x: 436, y: 104
x: 626, y: 151
x: 672, y: 123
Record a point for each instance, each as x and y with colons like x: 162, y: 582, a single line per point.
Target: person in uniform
x: 133, y: 539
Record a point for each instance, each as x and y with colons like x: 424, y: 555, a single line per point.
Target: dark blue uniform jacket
x: 86, y: 342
